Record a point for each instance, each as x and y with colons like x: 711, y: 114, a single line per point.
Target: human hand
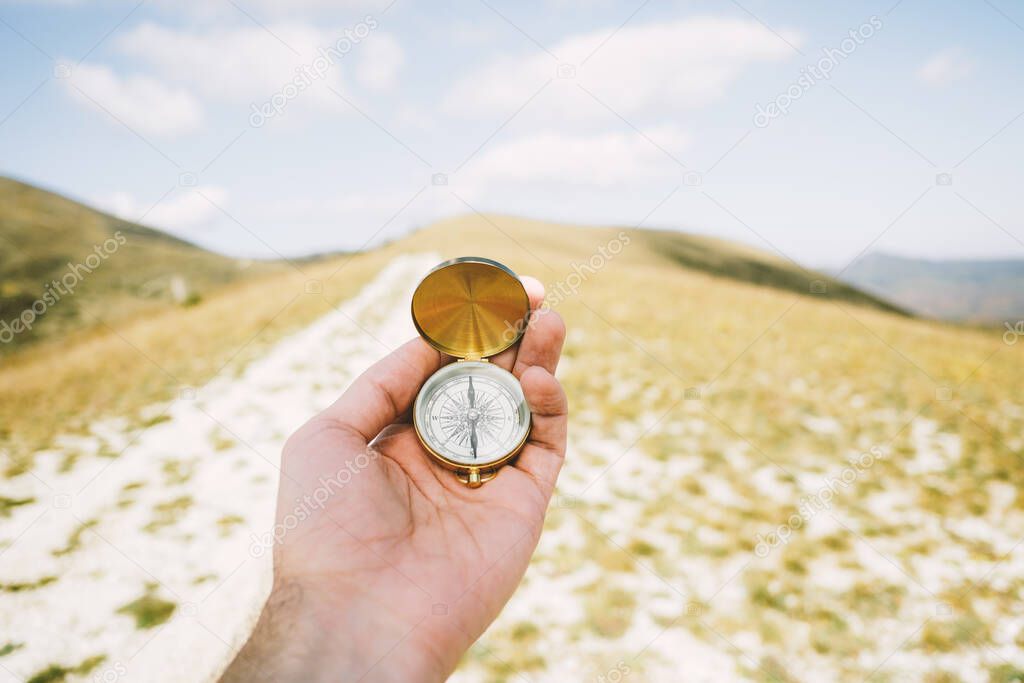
x: 403, y: 566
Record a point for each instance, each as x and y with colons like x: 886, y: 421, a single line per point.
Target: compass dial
x: 472, y: 413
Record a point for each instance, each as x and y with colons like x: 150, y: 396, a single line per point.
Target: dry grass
x: 63, y: 386
x: 704, y: 410
x: 769, y: 392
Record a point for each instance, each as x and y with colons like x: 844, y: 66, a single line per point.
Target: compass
x: 471, y: 415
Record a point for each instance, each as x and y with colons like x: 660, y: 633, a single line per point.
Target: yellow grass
x: 63, y: 386
x: 670, y: 364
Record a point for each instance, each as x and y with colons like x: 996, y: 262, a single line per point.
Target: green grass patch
x: 55, y: 673
x: 27, y: 586
x: 75, y: 539
x: 8, y: 504
x: 148, y: 609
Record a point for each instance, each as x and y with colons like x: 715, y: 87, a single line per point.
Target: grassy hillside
x: 47, y: 238
x: 121, y: 340
x: 737, y: 262
x: 967, y: 291
x: 706, y: 412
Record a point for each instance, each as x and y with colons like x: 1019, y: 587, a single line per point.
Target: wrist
x: 300, y: 636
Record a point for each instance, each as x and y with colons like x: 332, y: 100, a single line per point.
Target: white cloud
x: 184, y: 212
x: 145, y: 104
x: 600, y: 161
x: 946, y: 67
x: 267, y: 68
x: 380, y: 59
x: 642, y: 69
x: 243, y: 64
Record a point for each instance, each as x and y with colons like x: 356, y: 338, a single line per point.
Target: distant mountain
x: 981, y: 292
x: 64, y: 265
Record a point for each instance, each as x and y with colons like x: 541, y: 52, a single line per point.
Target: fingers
x: 549, y: 407
x: 542, y: 344
x: 386, y: 390
x: 535, y: 291
x: 544, y: 453
x: 534, y: 361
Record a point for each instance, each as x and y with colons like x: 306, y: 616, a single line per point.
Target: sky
x: 257, y: 128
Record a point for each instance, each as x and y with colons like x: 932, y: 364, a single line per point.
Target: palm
x: 435, y: 559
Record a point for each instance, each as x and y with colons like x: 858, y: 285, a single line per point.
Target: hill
x: 965, y: 291
x: 127, y: 301
x: 78, y: 266
x: 826, y: 483
x: 739, y: 262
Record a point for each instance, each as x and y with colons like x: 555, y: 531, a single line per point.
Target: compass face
x: 472, y: 413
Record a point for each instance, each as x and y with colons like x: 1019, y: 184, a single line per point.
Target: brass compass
x: 471, y: 415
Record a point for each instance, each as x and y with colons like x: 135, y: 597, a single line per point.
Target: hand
x: 403, y: 567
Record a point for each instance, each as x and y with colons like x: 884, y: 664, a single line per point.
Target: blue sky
x: 626, y: 113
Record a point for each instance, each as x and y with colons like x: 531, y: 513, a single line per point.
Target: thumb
x: 386, y: 390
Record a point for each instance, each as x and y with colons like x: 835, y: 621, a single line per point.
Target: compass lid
x: 470, y: 307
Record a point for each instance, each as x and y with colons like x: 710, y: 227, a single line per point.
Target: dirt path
x: 148, y: 559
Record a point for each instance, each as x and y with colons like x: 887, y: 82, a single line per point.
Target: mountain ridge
x: 47, y: 238
x: 987, y: 291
